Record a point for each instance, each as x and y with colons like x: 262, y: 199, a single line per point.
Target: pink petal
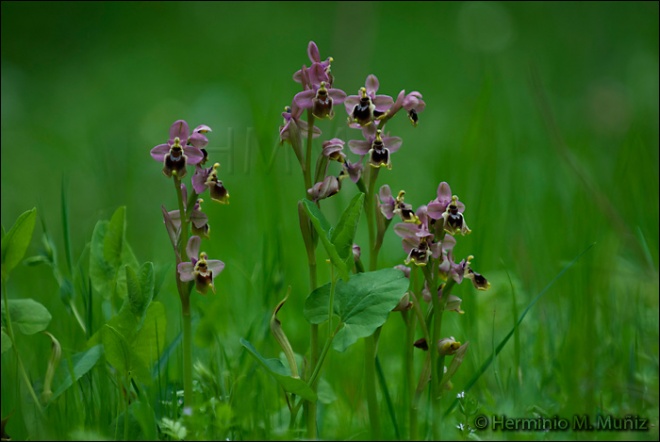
x: 407, y: 230
x: 303, y: 126
x: 304, y: 99
x: 392, y: 143
x: 179, y: 129
x: 317, y: 74
x: 385, y: 193
x: 158, y: 153
x: 408, y: 244
x: 436, y: 250
x: 172, y: 230
x: 383, y: 102
x: 175, y: 218
x: 448, y: 242
x: 436, y: 209
x: 298, y: 76
x: 414, y: 101
x: 192, y: 248
x: 313, y: 52
x: 398, y: 103
x: 202, y: 128
x: 199, y: 219
x: 371, y: 84
x: 444, y: 192
x: 350, y: 102
x: 199, y: 180
x: 359, y: 147
x: 198, y: 140
x: 216, y: 266
x: 185, y: 270
x: 338, y: 96
x: 194, y: 154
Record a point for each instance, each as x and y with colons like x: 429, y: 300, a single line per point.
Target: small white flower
x: 461, y: 395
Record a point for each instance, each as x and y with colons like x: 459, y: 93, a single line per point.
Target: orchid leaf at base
x: 362, y: 304
x: 281, y: 374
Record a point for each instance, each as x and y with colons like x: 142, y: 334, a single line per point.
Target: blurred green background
x: 542, y: 116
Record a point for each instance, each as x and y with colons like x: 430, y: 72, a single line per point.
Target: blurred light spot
x: 12, y: 88
x: 642, y: 78
x: 484, y: 27
x: 608, y: 107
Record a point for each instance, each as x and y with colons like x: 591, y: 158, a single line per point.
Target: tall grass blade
x: 65, y: 228
x: 388, y: 399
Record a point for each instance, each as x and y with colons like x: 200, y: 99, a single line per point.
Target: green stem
x: 317, y: 369
x: 371, y: 342
x: 184, y: 295
x: 383, y: 224
x: 10, y: 332
x: 437, y: 360
x: 370, y: 351
x: 413, y: 398
x: 333, y: 285
x: 309, y: 407
x: 126, y: 399
x: 187, y: 353
x: 410, y: 321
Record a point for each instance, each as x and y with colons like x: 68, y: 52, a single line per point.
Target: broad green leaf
x: 79, y: 365
x: 150, y: 339
x: 282, y: 374
x: 140, y: 288
x: 27, y: 316
x: 128, y: 257
x: 116, y: 348
x: 130, y: 316
x: 343, y: 233
x: 124, y: 322
x: 6, y: 341
x: 108, y: 251
x: 147, y: 281
x: 113, y: 243
x: 17, y: 240
x: 101, y: 272
x: 362, y: 304
x: 120, y: 355
x: 322, y: 227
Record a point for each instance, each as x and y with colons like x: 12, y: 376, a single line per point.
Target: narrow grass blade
x: 499, y: 348
x: 65, y: 227
x: 165, y: 356
x: 388, y: 399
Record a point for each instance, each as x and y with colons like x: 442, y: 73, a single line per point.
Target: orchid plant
x: 187, y: 225
x: 428, y: 236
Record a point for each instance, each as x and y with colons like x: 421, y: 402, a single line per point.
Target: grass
x: 541, y: 116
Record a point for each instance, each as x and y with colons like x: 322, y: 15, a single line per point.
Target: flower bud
x: 448, y: 346
x: 53, y: 363
x: 280, y: 337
